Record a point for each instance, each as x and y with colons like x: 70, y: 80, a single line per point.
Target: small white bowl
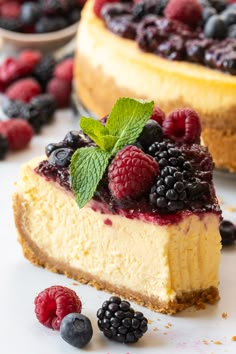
x: 45, y: 42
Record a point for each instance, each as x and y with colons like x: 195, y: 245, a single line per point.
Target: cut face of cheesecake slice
x: 165, y: 267
x: 127, y: 205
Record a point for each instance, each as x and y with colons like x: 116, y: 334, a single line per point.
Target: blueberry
x: 227, y: 232
x: 76, y: 329
x: 61, y: 157
x: 229, y: 17
x: 151, y: 133
x: 232, y: 31
x: 53, y: 146
x: 215, y: 28
x: 207, y: 13
x: 30, y: 13
x: 75, y: 139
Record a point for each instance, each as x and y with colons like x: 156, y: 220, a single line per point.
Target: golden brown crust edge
x: 39, y: 258
x: 100, y: 101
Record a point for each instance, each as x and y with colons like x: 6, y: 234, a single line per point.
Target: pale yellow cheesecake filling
x: 145, y: 74
x: 157, y: 261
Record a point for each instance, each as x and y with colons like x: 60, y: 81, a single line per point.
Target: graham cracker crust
x: 218, y: 128
x: 38, y: 257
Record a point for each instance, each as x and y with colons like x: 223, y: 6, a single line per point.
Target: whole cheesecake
x: 136, y: 216
x: 122, y: 68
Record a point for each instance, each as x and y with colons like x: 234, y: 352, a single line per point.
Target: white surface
x: 20, y: 333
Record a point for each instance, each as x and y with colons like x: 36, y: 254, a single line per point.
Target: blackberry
x: 119, y: 322
x: 46, y: 104
x: 11, y: 24
x: 169, y: 194
x: 33, y: 116
x: 30, y: 13
x: 227, y: 232
x: 4, y: 146
x: 43, y: 71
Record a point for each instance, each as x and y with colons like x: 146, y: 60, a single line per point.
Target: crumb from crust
x: 205, y: 342
x: 168, y: 325
x: 233, y: 338
x: 217, y: 342
x: 150, y: 321
x: 155, y: 329
x: 224, y: 315
x: 75, y: 284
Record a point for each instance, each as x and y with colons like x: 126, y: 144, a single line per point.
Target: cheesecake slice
x: 124, y: 240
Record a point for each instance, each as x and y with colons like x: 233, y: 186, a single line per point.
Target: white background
x: 20, y: 333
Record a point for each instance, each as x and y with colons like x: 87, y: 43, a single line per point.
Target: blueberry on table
x: 227, y: 232
x: 76, y: 329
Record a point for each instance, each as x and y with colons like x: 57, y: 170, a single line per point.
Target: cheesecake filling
x: 161, y: 262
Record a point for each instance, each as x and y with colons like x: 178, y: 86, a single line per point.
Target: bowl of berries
x: 41, y: 24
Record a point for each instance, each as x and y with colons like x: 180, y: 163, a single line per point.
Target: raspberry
x: 18, y: 132
x: 189, y: 12
x: 12, y: 69
x: 30, y: 57
x: 131, y: 173
x: 64, y: 70
x: 182, y: 125
x: 54, y: 303
x: 61, y: 90
x: 98, y: 4
x: 10, y: 10
x: 158, y: 115
x: 23, y: 90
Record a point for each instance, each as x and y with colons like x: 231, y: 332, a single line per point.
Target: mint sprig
x: 124, y: 125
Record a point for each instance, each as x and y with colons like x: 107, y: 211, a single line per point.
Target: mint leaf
x: 86, y: 169
x: 127, y: 120
x: 98, y: 133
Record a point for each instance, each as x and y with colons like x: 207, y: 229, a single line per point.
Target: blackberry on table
x: 119, y: 322
x: 4, y: 146
x: 33, y: 116
x: 44, y: 69
x: 46, y: 105
x: 13, y: 108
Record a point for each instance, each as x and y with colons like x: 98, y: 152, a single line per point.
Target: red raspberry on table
x: 98, y: 4
x: 131, y: 173
x: 23, y: 90
x: 182, y: 125
x: 10, y: 9
x: 64, y: 70
x: 186, y: 11
x: 12, y: 69
x: 60, y: 90
x: 54, y: 303
x: 158, y: 115
x: 30, y: 58
x: 18, y: 132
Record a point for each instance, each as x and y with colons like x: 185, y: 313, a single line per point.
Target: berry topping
x: 18, y: 133
x: 131, y: 173
x: 76, y: 329
x: 54, y: 303
x: 119, y: 322
x: 23, y: 90
x: 227, y: 232
x: 182, y: 125
x: 185, y: 11
x: 64, y: 70
x: 158, y: 115
x: 151, y: 133
x: 61, y: 91
x: 61, y: 157
x: 4, y: 146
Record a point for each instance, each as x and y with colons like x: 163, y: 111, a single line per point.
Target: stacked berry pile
x: 201, y: 31
x: 34, y: 86
x: 39, y: 16
x: 164, y: 172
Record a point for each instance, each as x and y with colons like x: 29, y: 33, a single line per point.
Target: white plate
x: 20, y: 333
